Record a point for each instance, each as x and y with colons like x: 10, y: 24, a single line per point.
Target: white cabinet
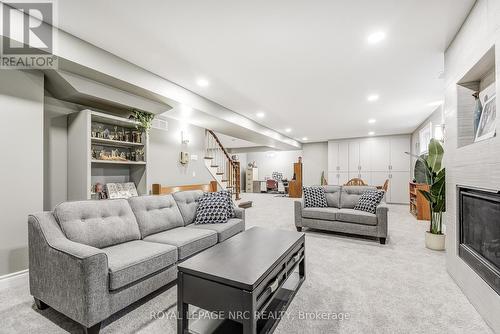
x: 365, y: 155
x: 381, y: 154
x: 398, y: 187
x: 338, y: 153
x: 338, y: 178
x: 374, y: 160
x: 353, y: 156
x: 400, y: 161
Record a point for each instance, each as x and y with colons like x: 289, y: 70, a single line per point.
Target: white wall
x: 477, y: 164
x: 436, y: 118
x: 315, y: 162
x: 164, y: 152
x: 21, y: 132
x: 274, y: 161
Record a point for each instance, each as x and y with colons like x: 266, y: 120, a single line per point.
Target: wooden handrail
x: 220, y: 145
x: 233, y: 175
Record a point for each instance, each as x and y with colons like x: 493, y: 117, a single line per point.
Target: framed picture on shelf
x: 487, y: 123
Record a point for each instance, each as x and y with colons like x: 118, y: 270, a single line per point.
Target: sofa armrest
x: 298, y: 205
x: 382, y: 219
x: 239, y: 213
x: 68, y: 276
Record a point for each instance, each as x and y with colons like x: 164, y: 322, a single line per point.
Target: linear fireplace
x: 479, y: 232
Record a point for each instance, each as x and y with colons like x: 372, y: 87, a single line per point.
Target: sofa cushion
x: 187, y: 201
x: 212, y: 209
x: 225, y: 230
x: 156, y: 213
x: 314, y: 197
x: 356, y: 217
x: 98, y: 223
x: 320, y: 213
x: 187, y: 240
x: 332, y: 194
x: 350, y: 195
x: 133, y: 260
x: 369, y: 201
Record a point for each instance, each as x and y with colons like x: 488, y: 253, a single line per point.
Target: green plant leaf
x: 435, y: 156
x: 428, y: 196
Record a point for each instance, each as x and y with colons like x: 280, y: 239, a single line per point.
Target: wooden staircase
x: 223, y: 169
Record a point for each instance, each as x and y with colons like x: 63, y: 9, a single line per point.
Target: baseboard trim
x: 14, y: 279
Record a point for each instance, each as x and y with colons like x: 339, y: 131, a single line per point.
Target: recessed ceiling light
x: 372, y: 120
x: 376, y: 37
x: 260, y: 114
x: 373, y: 97
x: 202, y: 82
x: 304, y: 138
x: 288, y: 130
x: 371, y: 133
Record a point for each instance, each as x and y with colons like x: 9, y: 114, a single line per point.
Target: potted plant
x: 435, y: 178
x: 144, y: 118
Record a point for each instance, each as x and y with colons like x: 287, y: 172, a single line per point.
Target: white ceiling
x: 232, y: 142
x: 307, y: 65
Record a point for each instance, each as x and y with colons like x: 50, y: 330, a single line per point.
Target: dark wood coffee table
x: 248, y: 279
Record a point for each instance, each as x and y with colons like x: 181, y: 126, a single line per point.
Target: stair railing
x: 227, y: 168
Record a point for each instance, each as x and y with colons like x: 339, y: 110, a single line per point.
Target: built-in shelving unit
x: 419, y: 206
x: 473, y: 85
x: 104, y: 148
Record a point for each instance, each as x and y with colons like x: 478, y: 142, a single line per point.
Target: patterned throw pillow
x: 214, y: 208
x: 314, y: 197
x: 369, y: 200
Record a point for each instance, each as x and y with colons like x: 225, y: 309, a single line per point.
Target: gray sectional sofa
x: 90, y: 259
x: 340, y: 216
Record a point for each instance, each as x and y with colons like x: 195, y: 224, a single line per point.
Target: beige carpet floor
x: 360, y: 285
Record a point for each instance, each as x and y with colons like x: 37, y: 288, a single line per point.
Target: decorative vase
x: 434, y: 241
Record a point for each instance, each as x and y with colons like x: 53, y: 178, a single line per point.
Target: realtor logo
x: 27, y: 35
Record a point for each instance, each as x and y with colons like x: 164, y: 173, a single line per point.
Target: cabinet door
x: 353, y: 156
x: 333, y: 156
x: 398, y: 187
x: 343, y: 157
x: 400, y: 161
x: 365, y: 152
x: 366, y: 177
x: 343, y: 178
x: 381, y: 154
x: 333, y: 178
x: 378, y: 178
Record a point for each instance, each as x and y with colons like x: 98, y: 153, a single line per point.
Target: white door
x: 365, y: 152
x: 400, y: 161
x: 398, y: 187
x: 343, y: 157
x: 343, y: 178
x: 333, y: 156
x: 354, y: 156
x: 381, y: 154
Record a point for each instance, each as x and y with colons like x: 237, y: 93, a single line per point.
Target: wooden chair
x: 355, y: 182
x: 384, y: 187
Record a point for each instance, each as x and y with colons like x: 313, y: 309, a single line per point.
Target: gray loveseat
x: 340, y: 216
x: 90, y: 259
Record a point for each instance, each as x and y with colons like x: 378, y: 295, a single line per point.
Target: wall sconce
x: 184, y: 137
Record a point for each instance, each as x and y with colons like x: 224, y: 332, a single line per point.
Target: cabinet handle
x: 359, y: 167
x: 389, y: 167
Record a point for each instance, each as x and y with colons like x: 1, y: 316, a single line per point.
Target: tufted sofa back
x: 350, y: 195
x: 156, y: 213
x: 97, y: 223
x: 187, y: 201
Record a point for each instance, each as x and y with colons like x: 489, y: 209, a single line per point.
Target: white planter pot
x: 434, y: 241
